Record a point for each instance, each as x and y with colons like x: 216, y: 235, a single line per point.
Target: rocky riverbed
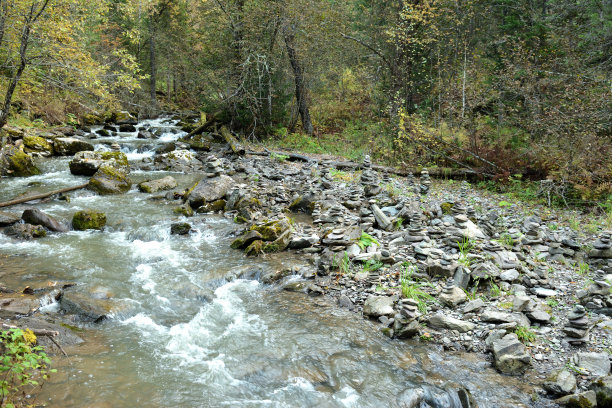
x: 438, y: 262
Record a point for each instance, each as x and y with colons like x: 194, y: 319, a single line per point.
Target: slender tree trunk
x: 153, y: 62
x: 463, y: 84
x: 3, y: 13
x: 300, y: 87
x: 23, y: 48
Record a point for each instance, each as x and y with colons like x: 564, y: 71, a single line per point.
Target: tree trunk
x: 3, y: 13
x: 23, y: 48
x: 153, y: 62
x: 300, y: 87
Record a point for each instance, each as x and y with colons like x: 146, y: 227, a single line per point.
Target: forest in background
x: 514, y: 89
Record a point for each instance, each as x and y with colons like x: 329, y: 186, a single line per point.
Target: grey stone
x: 210, y: 189
x: 603, y: 390
x: 381, y: 219
x: 453, y: 297
x: 36, y: 217
x: 68, y: 146
x: 586, y: 399
x: 596, y: 364
x: 509, y: 276
x: 376, y: 306
x: 510, y: 355
x: 442, y: 321
x: 560, y: 383
x: 7, y: 219
x: 474, y: 306
x: 154, y: 186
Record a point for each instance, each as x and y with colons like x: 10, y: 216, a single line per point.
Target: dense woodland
x: 502, y: 87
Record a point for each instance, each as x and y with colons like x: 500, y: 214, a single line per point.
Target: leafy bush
x: 22, y: 365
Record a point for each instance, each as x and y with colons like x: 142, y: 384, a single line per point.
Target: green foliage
x: 413, y: 290
x: 367, y: 240
x: 398, y: 223
x: 525, y: 334
x: 506, y: 240
x: 583, y: 268
x: 552, y: 302
x: 465, y: 246
x: 504, y: 204
x: 22, y: 365
x: 281, y: 158
x: 372, y: 265
x: 494, y: 290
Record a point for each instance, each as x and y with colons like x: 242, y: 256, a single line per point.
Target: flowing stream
x: 186, y: 332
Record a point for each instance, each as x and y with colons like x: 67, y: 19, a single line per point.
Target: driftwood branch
x: 50, y: 334
x: 40, y: 196
x: 210, y: 121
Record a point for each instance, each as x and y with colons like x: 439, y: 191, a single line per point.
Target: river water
x: 193, y: 327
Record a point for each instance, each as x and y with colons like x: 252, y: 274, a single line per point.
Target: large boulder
x: 586, y: 399
x: 68, y: 146
x: 110, y: 180
x: 85, y: 307
x: 510, y: 355
x: 376, y: 306
x: 596, y: 364
x: 120, y: 117
x: 560, y: 383
x: 37, y: 144
x: 210, y: 189
x: 36, y: 217
x: 153, y: 186
x: 87, y: 163
x: 15, y: 163
x: 88, y: 219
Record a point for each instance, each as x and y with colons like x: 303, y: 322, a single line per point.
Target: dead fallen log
x: 41, y: 196
x: 234, y: 144
x: 37, y: 332
x: 437, y: 172
x: 210, y: 122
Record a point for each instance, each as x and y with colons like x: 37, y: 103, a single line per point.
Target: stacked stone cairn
x: 213, y: 166
x: 425, y: 182
x: 369, y: 179
x: 577, y: 328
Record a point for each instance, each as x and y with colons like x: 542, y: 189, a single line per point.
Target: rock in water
x: 87, y: 163
x: 180, y: 228
x: 25, y: 231
x: 67, y: 146
x: 154, y: 186
x: 210, y: 189
x: 88, y: 219
x: 7, y: 219
x: 37, y: 217
x: 109, y: 180
x: 36, y: 144
x: 15, y: 163
x: 510, y: 355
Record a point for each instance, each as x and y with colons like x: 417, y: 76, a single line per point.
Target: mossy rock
x: 120, y: 158
x: 245, y: 240
x: 88, y: 219
x: 121, y: 116
x: 271, y: 230
x: 110, y: 180
x: 198, y: 143
x: 256, y: 248
x: 304, y: 204
x: 37, y: 144
x: 184, y: 209
x: 90, y: 119
x: 215, y: 206
x: 14, y: 162
x: 239, y: 219
x: 446, y: 207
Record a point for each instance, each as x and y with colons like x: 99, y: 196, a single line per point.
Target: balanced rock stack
x: 415, y: 231
x: 602, y: 247
x: 577, y: 328
x: 115, y: 147
x: 425, y: 182
x: 533, y: 235
x: 386, y: 178
x: 452, y: 295
x: 213, y: 167
x: 354, y: 199
x: 369, y: 180
x: 326, y: 179
x: 405, y: 325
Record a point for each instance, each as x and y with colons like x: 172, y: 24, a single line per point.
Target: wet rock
x: 301, y: 242
x: 560, y: 383
x: 36, y: 217
x: 586, y: 399
x: 127, y: 128
x: 510, y: 355
x: 246, y: 239
x: 596, y: 364
x: 255, y: 248
x: 88, y: 219
x: 184, y: 209
x: 85, y: 307
x: 603, y: 391
x: 7, y: 219
x: 275, y: 276
x: 37, y: 144
x: 18, y: 304
x: 154, y: 186
x: 442, y: 321
x: 180, y: 228
x: 87, y: 163
x: 411, y: 398
x: 25, y: 231
x: 376, y: 306
x: 66, y: 336
x: 210, y: 189
x: 109, y: 180
x: 68, y: 146
x: 346, y: 302
x: 15, y: 163
x: 121, y: 117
